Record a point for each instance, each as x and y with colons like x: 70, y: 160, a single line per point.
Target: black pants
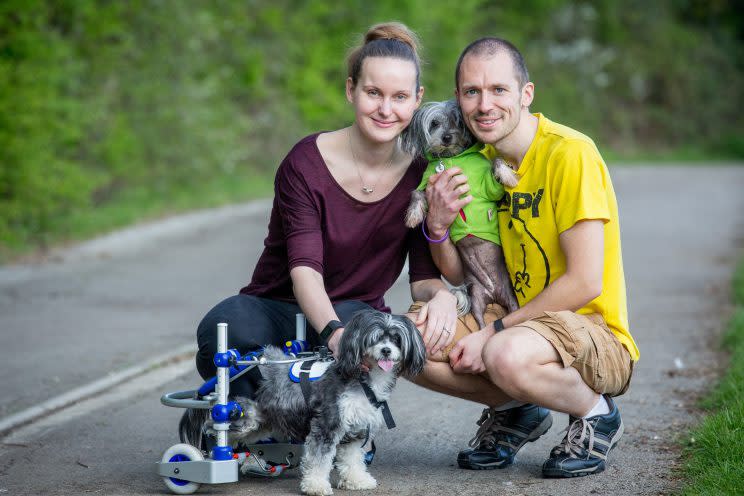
x: 253, y: 322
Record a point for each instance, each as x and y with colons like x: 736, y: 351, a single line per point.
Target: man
x: 567, y: 348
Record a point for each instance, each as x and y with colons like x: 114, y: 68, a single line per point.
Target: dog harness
x: 311, y: 370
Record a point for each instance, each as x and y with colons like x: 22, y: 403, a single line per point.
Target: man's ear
x: 528, y: 94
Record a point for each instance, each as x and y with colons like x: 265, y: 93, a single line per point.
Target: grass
x: 714, y: 450
x: 685, y: 155
x: 136, y: 205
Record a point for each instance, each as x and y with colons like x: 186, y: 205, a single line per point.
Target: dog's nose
x: 446, y: 139
x: 385, y: 351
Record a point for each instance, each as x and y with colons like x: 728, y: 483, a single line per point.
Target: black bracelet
x: 328, y: 330
x: 498, y: 325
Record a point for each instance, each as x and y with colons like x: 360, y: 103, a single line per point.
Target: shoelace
x: 489, y: 423
x: 576, y: 433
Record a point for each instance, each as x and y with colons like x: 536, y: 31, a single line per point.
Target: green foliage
x: 101, y: 98
x: 715, y: 464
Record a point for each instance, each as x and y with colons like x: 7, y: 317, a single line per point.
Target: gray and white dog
x: 438, y: 130
x: 338, y: 417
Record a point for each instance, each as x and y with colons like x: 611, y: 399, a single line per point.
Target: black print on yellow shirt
x: 529, y: 202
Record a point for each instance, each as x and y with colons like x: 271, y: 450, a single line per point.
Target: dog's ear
x: 453, y: 109
x: 408, y: 140
x: 351, y: 348
x: 412, y: 347
x: 411, y: 138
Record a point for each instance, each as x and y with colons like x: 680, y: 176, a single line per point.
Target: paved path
x: 112, y: 305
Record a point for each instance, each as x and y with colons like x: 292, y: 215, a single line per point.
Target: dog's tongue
x: 385, y: 364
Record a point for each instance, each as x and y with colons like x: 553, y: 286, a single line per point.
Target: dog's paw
x: 359, y: 481
x: 315, y: 487
x: 505, y: 174
x: 244, y: 425
x: 416, y: 209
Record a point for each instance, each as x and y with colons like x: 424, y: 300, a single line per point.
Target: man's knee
x: 504, y: 363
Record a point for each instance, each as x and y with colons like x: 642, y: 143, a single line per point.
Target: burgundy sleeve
x: 420, y: 264
x: 300, y: 216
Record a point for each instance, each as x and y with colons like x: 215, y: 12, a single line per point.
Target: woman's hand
x: 439, y: 316
x: 335, y: 339
x: 443, y: 193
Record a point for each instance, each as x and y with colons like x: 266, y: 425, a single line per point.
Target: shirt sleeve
x: 420, y: 264
x: 300, y: 216
x: 578, y: 185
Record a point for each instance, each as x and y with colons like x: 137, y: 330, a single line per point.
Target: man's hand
x: 465, y: 357
x: 443, y: 196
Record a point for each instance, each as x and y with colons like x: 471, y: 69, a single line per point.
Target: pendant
x: 440, y: 167
x: 367, y: 190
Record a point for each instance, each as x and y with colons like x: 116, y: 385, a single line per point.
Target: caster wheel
x: 181, y: 453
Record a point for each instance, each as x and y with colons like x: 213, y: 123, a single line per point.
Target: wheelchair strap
x: 305, y: 379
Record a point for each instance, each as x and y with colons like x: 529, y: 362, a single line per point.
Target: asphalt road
x: 119, y: 306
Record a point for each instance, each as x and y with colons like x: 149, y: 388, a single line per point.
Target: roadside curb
x: 65, y: 400
x: 130, y: 239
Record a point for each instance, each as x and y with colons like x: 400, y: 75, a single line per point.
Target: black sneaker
x: 502, y: 434
x: 588, y: 441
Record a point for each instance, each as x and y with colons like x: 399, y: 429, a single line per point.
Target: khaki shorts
x: 585, y: 343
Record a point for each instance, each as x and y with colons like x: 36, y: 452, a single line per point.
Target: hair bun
x: 392, y: 31
x: 387, y: 39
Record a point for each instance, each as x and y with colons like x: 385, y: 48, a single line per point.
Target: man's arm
x: 583, y: 247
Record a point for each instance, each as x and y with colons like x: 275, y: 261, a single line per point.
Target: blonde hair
x: 387, y: 39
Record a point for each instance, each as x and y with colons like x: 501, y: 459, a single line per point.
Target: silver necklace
x: 367, y: 190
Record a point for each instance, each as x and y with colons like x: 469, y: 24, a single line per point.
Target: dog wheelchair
x: 184, y: 467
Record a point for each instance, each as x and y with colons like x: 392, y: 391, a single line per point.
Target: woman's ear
x: 349, y: 90
x: 419, y: 96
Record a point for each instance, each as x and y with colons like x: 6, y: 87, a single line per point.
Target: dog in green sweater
x: 438, y: 131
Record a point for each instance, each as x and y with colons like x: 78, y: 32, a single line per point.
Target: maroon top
x: 358, y: 247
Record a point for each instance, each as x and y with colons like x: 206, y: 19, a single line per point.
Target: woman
x: 336, y: 240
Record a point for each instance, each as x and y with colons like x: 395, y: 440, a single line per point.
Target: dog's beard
x: 446, y: 151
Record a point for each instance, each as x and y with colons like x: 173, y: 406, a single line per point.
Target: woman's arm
x: 314, y: 301
x: 437, y: 316
x: 443, y: 193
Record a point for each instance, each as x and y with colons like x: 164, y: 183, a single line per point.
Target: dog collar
x: 386, y: 413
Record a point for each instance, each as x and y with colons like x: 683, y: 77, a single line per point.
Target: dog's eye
x: 396, y: 340
x: 434, y: 124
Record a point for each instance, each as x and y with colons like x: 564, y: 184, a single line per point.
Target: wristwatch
x: 328, y: 330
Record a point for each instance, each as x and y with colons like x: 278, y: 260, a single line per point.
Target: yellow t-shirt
x: 563, y: 180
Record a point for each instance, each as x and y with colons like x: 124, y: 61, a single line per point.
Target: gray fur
x: 337, y: 407
x: 439, y: 129
x: 432, y: 123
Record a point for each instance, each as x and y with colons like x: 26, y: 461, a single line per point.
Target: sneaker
x: 502, y: 434
x: 588, y: 441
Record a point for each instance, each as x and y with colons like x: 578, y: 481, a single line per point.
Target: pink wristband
x: 430, y: 240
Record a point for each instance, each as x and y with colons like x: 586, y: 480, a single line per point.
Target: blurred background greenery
x: 111, y: 112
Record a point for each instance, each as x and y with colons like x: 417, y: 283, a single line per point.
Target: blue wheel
x: 181, y: 453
